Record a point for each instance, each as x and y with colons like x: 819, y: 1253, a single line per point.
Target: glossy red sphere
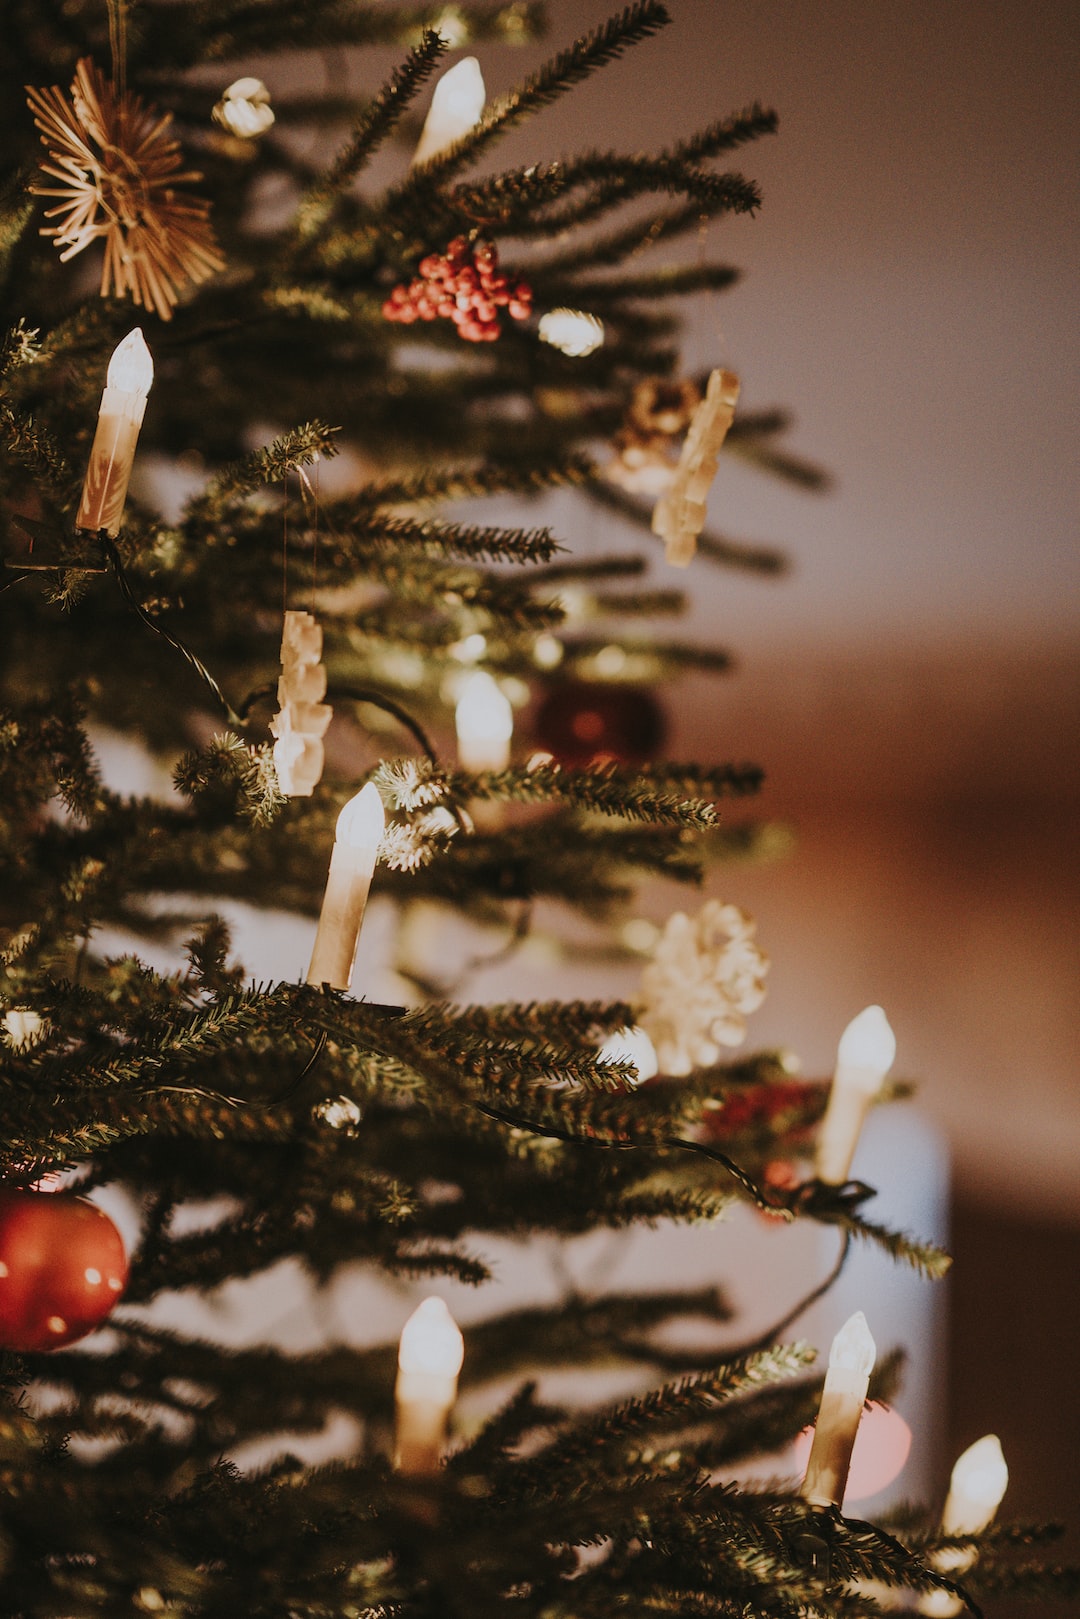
x: 62, y: 1269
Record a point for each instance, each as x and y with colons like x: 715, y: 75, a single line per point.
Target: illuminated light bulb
x: 362, y: 820
x: 131, y: 368
x: 879, y: 1455
x: 571, y: 331
x: 853, y: 1349
x: 867, y: 1051
x: 339, y: 1112
x: 631, y: 1045
x: 23, y: 1026
x: 640, y: 934
x: 128, y: 381
x: 451, y: 26
x: 548, y: 652
x: 863, y: 1058
x: 244, y: 109
x: 979, y: 1480
x: 456, y: 106
x: 431, y: 1341
x: 851, y: 1360
x: 485, y: 724
x: 430, y: 1356
x: 471, y: 649
x: 359, y: 829
x: 610, y: 662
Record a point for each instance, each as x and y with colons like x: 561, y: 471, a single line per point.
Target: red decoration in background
x: 62, y: 1269
x: 466, y: 286
x: 783, y: 1105
x: 578, y: 723
x: 882, y: 1446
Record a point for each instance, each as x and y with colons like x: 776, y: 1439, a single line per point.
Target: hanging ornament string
x: 628, y: 1143
x: 285, y: 544
x: 118, y: 43
x: 246, y: 1101
x: 309, y: 492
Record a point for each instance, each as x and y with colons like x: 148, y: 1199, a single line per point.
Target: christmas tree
x: 317, y: 331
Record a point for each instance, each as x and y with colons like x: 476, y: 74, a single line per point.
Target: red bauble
x: 579, y: 722
x: 62, y: 1268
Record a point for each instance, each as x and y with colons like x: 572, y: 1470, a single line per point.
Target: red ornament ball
x: 881, y: 1450
x: 578, y: 723
x: 62, y: 1269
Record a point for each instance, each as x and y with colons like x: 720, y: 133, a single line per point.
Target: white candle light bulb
x: 456, y: 106
x: 863, y: 1058
x: 429, y: 1359
x: 352, y: 865
x: 979, y: 1479
x: 867, y: 1050
x: 853, y: 1349
x: 362, y: 821
x: 485, y: 724
x: 851, y: 1360
x: 571, y: 331
x: 431, y: 1341
x: 112, y: 454
x: 131, y: 367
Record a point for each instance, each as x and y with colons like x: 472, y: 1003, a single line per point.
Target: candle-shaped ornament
x: 456, y: 106
x: 429, y: 1360
x: 851, y: 1360
x: 128, y: 380
x: 863, y: 1058
x: 979, y: 1480
x: 352, y: 864
x: 485, y: 724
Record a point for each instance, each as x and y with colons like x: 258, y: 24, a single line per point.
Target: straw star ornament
x: 119, y: 166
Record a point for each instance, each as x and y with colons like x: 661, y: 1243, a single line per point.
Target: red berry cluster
x: 464, y: 285
x: 785, y: 1105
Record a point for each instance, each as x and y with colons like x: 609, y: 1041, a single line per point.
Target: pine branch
x: 374, y: 534
x: 519, y: 201
x: 728, y: 133
x: 32, y: 446
x: 297, y: 448
x: 584, y: 1454
x: 467, y: 483
x: 233, y: 31
x: 673, y: 281
x: 573, y: 66
x: 379, y: 119
x: 729, y: 553
x: 605, y: 789
x: 228, y: 761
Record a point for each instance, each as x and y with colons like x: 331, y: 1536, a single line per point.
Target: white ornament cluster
x: 301, y: 724
x: 706, y: 974
x: 679, y: 516
x: 244, y: 109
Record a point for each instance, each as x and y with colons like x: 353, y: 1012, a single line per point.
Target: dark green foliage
x: 221, y: 1106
